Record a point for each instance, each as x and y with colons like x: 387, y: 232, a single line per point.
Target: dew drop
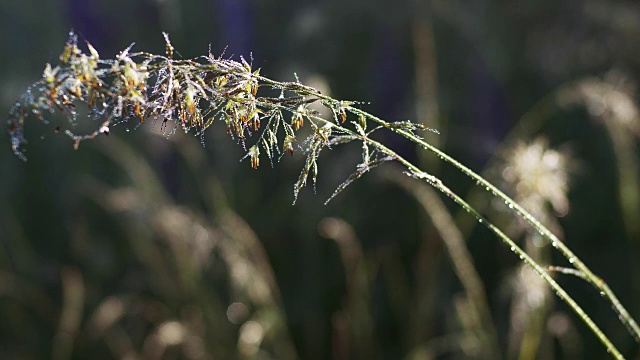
x: 513, y: 248
x: 572, y: 260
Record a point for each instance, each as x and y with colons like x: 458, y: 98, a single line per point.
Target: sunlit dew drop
x: 572, y: 260
x: 127, y: 130
x: 513, y: 248
x: 480, y: 221
x: 510, y: 206
x: 601, y: 293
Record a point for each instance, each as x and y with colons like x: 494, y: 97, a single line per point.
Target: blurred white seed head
x: 610, y: 100
x: 537, y: 176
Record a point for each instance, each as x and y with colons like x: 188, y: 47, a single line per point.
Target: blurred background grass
x: 140, y: 247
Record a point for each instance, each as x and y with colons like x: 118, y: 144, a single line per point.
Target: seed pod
x: 254, y: 154
x: 189, y: 100
x: 288, y: 144
x: 363, y: 122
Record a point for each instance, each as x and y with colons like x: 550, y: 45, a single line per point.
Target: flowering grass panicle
x: 187, y: 94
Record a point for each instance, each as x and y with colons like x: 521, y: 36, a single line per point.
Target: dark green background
x: 494, y: 61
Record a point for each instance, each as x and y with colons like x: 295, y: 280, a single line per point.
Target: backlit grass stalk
x: 435, y: 182
x: 194, y: 94
x: 596, y: 281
